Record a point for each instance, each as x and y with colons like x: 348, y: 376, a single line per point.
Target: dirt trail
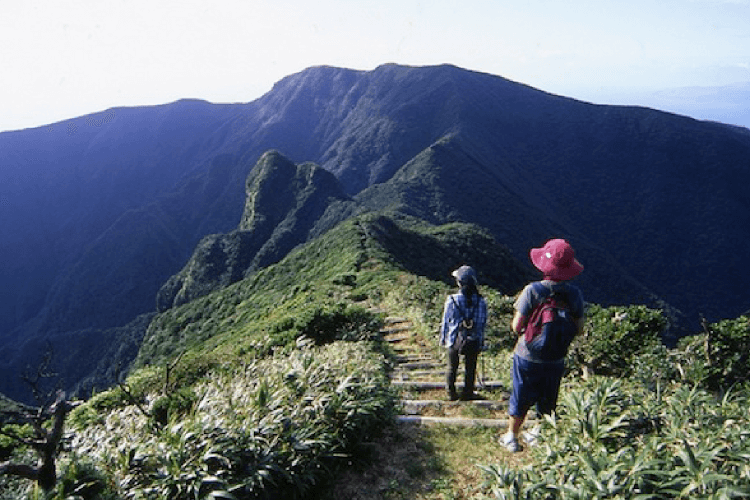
x: 417, y: 459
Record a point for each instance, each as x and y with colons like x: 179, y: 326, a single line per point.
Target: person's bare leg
x: 515, y: 425
x: 510, y: 438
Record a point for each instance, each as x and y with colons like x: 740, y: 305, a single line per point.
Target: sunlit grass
x: 251, y: 393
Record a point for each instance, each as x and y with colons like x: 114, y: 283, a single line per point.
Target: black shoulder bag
x: 467, y: 340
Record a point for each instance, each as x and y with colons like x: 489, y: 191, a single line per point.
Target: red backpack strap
x: 537, y: 317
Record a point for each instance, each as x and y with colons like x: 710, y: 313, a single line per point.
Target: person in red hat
x: 536, y: 379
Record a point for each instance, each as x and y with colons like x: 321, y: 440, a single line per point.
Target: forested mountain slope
x: 99, y: 212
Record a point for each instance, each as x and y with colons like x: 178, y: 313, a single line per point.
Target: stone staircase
x: 420, y: 376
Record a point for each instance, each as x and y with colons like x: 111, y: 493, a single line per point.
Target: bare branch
x: 45, y: 441
x: 43, y: 372
x: 126, y: 390
x: 708, y: 345
x: 20, y: 470
x: 169, y: 369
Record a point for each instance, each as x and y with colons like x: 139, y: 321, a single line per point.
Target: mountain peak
x: 276, y: 187
x: 286, y: 204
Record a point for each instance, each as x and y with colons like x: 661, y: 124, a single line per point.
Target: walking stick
x: 481, y: 377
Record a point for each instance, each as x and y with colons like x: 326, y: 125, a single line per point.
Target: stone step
x: 415, y: 360
x: 404, y: 349
x: 417, y: 379
x: 396, y: 328
x: 419, y: 356
x: 408, y: 355
x: 411, y: 406
x: 419, y: 365
x: 436, y: 373
x: 390, y: 320
x: 490, y: 404
x: 396, y: 338
x: 429, y: 386
x: 453, y: 421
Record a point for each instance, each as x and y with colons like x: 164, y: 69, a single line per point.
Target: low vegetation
x: 276, y: 424
x: 277, y: 385
x: 613, y: 438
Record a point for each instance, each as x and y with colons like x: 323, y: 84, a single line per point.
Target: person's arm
x: 579, y: 325
x: 444, y: 323
x: 482, y: 320
x: 523, y: 303
x: 519, y: 322
x: 579, y: 321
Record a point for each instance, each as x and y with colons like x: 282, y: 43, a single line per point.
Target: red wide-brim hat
x: 556, y: 259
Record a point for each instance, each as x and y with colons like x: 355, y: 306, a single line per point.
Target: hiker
x: 464, y: 312
x: 536, y: 373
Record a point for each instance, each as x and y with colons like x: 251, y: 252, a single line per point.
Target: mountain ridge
x: 100, y: 211
x: 285, y: 206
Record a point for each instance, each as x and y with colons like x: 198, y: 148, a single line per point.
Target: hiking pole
x: 483, y: 386
x: 481, y: 376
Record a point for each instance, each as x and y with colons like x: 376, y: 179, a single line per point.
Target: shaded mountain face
x: 446, y: 183
x: 436, y: 251
x: 80, y: 212
x: 99, y: 212
x: 285, y: 206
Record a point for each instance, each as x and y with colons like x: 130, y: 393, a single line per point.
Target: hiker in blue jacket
x: 536, y: 380
x: 467, y: 311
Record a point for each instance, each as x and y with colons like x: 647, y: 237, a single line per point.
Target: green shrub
x: 654, y: 366
x: 499, y: 317
x: 718, y: 358
x: 8, y: 444
x: 97, y: 407
x: 80, y: 479
x: 328, y: 323
x: 173, y: 405
x: 615, y: 337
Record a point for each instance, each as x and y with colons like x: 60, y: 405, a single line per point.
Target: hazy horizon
x: 63, y: 61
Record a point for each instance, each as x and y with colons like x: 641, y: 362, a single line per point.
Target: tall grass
x: 270, y: 427
x: 613, y: 439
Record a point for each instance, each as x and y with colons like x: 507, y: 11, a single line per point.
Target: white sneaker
x: 530, y: 437
x: 510, y: 442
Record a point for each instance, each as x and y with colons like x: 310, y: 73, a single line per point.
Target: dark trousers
x: 470, y: 370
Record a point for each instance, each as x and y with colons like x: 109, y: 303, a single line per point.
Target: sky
x: 61, y: 59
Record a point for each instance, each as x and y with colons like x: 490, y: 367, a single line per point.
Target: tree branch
x: 126, y: 390
x: 708, y: 345
x: 169, y: 369
x: 46, y: 443
x: 20, y: 470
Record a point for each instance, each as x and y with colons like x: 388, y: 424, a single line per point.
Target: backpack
x: 467, y: 340
x: 550, y: 328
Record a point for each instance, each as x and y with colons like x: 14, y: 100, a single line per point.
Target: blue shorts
x: 534, y: 383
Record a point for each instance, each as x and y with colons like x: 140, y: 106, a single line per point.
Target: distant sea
x: 728, y: 104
